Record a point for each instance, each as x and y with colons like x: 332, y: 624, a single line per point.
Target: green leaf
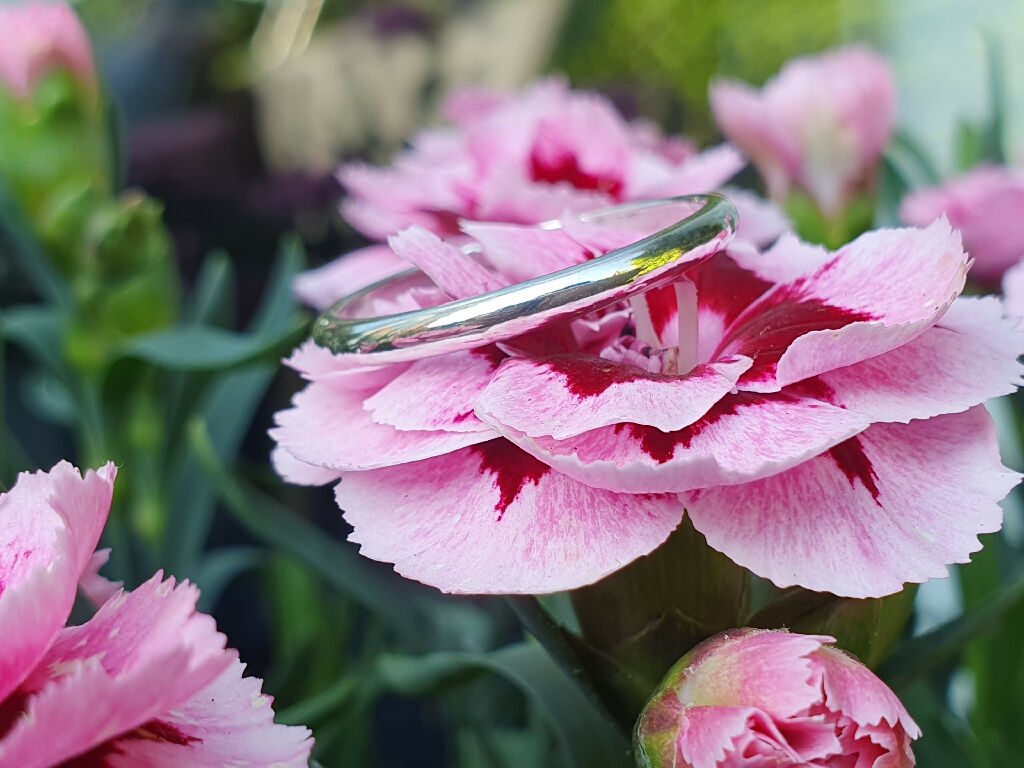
x: 29, y: 252
x: 207, y: 348
x: 222, y: 566
x: 587, y: 737
x: 212, y: 300
x: 920, y: 655
x: 38, y: 331
x: 279, y: 527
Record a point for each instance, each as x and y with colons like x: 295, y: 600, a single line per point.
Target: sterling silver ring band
x: 517, y: 309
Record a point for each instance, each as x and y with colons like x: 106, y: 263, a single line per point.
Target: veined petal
x: 877, y: 293
x: 329, y: 428
x: 969, y: 357
x: 292, y: 470
x: 492, y: 519
x: 50, y: 523
x: 321, y: 287
x: 229, y: 722
x: 741, y: 438
x: 524, y: 252
x: 896, y: 504
x: 437, y: 393
x: 456, y: 273
x: 143, y: 654
x: 567, y: 395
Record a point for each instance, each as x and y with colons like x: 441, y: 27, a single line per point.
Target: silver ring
x: 517, y: 309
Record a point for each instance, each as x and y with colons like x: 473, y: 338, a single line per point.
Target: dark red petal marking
x: 849, y: 456
x: 154, y: 730
x: 661, y: 446
x: 491, y: 353
x: 663, y: 308
x: 725, y: 288
x: 588, y: 376
x: 559, y: 164
x: 447, y: 222
x: 511, y: 467
x: 776, y: 322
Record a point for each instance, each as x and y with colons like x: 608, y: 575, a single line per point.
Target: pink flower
x: 38, y: 37
x: 753, y: 697
x: 147, y: 681
x: 520, y: 158
x: 820, y: 125
x: 1013, y: 290
x: 987, y: 205
x: 816, y: 414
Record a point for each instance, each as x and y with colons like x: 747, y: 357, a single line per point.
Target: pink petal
x: 453, y: 271
x: 38, y: 37
x: 567, y: 395
x: 297, y: 472
x: 523, y: 252
x: 316, y: 363
x: 969, y: 357
x: 896, y: 504
x: 741, y: 438
x: 329, y: 427
x: 321, y: 287
x: 1013, y: 290
x: 96, y: 588
x: 852, y: 689
x: 492, y: 519
x: 509, y: 195
x: 987, y: 205
x: 437, y: 393
x: 876, y: 294
x: 708, y: 734
x: 705, y: 172
x: 761, y: 222
x: 229, y: 722
x: 50, y: 523
x: 142, y: 655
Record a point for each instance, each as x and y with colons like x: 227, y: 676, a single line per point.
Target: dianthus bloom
x: 819, y: 125
x: 146, y: 681
x: 38, y: 37
x: 756, y: 698
x: 987, y: 205
x: 523, y: 158
x: 816, y: 414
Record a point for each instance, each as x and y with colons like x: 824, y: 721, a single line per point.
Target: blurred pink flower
x: 38, y: 37
x: 146, y: 681
x: 817, y: 415
x: 819, y: 125
x: 987, y: 205
x: 523, y: 158
x: 753, y: 697
x: 1013, y: 290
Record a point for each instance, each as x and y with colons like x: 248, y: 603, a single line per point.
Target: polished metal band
x: 517, y: 309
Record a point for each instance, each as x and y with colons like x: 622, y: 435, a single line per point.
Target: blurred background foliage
x: 209, y: 185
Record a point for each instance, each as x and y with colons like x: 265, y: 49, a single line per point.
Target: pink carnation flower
x: 38, y: 37
x: 755, y: 698
x: 1013, y: 290
x: 816, y: 414
x: 520, y: 158
x: 987, y: 205
x: 820, y: 125
x: 147, y: 681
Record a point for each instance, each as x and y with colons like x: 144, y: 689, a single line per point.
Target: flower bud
x: 753, y: 697
x: 37, y: 38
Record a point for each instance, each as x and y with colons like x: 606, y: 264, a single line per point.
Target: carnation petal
x: 742, y: 438
x: 50, y: 523
x: 328, y: 427
x: 143, y: 654
x: 566, y: 395
x: 524, y: 252
x: 492, y: 519
x: 896, y: 504
x: 455, y: 272
x: 321, y: 287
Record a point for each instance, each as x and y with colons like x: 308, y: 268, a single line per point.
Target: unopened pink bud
x: 37, y: 38
x: 751, y: 697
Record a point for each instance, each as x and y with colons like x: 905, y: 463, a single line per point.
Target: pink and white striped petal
x: 328, y: 427
x: 437, y: 393
x: 455, y: 272
x: 228, y: 723
x: 742, y: 438
x: 880, y: 291
x: 50, y: 523
x: 896, y: 504
x: 979, y: 350
x: 493, y: 519
x: 566, y: 395
x: 143, y: 654
x: 705, y: 172
x: 524, y: 252
x: 297, y: 472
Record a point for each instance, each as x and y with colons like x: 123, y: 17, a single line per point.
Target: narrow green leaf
x: 38, y: 330
x: 212, y: 300
x: 29, y: 252
x: 264, y: 517
x: 919, y: 655
x: 587, y: 737
x: 278, y: 304
x: 222, y: 566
